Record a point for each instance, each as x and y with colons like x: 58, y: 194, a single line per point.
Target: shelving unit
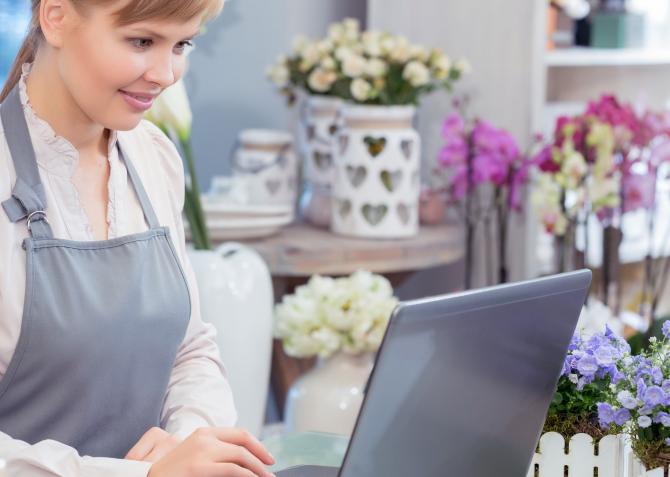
x: 592, y: 57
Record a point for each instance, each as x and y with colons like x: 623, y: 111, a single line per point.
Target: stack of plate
x: 227, y: 220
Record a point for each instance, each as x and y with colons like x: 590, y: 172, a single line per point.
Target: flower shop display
x: 341, y: 321
x: 603, y: 163
x: 487, y: 171
x: 639, y: 402
x: 589, y: 368
x: 266, y: 160
x: 380, y: 77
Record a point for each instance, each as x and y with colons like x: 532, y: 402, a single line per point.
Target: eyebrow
x: 161, y: 37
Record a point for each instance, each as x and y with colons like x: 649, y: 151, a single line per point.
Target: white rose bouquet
x: 331, y: 314
x: 369, y: 67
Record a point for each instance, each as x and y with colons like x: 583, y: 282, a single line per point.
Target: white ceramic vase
x: 318, y: 124
x: 377, y: 173
x: 236, y: 296
x: 265, y: 159
x: 328, y: 397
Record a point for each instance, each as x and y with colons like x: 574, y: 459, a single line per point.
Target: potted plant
x: 341, y: 321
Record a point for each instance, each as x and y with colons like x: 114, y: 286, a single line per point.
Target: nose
x: 161, y: 71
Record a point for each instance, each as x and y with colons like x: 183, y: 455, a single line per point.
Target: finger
x: 144, y: 445
x: 244, y: 438
x: 241, y: 456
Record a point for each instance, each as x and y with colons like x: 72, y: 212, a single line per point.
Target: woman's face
x: 114, y: 72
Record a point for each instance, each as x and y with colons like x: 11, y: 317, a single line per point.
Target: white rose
x: 299, y: 44
x: 172, y: 110
x: 325, y: 47
x: 343, y: 52
x: 372, y: 43
x: 418, y: 52
x: 321, y: 80
x: 302, y: 346
x: 328, y: 63
x: 354, y: 66
x: 310, y: 56
x: 376, y: 68
x: 416, y: 73
x: 387, y: 44
x: 336, y: 32
x: 361, y: 90
x: 351, y: 28
x: 329, y: 341
x: 279, y: 74
x: 401, y: 50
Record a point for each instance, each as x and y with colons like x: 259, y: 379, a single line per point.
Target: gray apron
x: 102, y: 322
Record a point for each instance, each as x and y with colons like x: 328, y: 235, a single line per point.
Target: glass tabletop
x: 306, y: 448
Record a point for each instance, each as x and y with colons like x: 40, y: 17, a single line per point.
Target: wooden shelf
x: 585, y: 57
x: 301, y: 250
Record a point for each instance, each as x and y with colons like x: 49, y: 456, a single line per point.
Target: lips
x: 144, y: 97
x: 137, y: 100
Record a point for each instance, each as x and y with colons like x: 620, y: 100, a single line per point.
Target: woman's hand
x: 153, y: 445
x: 215, y: 452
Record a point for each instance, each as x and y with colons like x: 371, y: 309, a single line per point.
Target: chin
x: 127, y: 123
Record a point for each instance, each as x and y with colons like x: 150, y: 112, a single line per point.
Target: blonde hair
x: 132, y: 12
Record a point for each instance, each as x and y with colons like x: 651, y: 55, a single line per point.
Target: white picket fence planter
x: 581, y: 458
x: 637, y: 469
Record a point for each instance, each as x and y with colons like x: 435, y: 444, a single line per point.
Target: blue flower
x: 587, y: 365
x: 605, y: 414
x: 626, y: 399
x: 621, y: 416
x: 662, y: 418
x: 653, y: 396
x: 666, y: 329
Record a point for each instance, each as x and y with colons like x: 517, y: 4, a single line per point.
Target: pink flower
x: 639, y: 191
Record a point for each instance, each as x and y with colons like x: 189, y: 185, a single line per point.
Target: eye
x: 141, y: 43
x: 185, y: 46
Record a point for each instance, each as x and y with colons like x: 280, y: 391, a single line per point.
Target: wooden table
x: 300, y: 251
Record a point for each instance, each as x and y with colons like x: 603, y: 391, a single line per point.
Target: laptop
x: 462, y: 382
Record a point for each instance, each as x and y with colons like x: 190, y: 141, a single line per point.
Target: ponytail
x: 26, y: 53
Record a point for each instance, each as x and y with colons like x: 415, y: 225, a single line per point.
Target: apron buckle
x: 41, y: 215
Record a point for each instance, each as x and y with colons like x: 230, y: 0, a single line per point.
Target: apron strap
x: 28, y: 200
x: 141, y: 193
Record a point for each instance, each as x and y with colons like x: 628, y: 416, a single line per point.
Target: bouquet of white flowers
x: 331, y: 314
x: 368, y: 67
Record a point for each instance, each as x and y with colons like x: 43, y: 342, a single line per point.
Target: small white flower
x: 354, y: 66
x: 376, y: 68
x: 463, y: 66
x: 352, y: 28
x: 343, y: 52
x: 310, y: 56
x: 372, y: 43
x: 328, y: 63
x: 336, y: 32
x: 573, y: 378
x: 360, y: 89
x: 279, y: 74
x: 321, y: 80
x: 416, y: 73
x: 653, y: 339
x: 401, y: 50
x: 419, y: 52
x: 644, y: 421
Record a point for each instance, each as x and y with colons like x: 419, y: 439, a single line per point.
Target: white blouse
x: 198, y: 393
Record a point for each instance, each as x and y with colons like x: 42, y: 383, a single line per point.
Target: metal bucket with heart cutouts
x: 266, y: 161
x: 316, y: 131
x: 377, y: 162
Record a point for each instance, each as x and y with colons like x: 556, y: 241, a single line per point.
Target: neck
x: 51, y: 100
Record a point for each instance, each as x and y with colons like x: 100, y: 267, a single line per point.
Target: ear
x: 54, y: 19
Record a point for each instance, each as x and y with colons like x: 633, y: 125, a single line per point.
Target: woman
x: 106, y: 368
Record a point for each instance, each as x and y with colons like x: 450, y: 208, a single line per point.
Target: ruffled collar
x: 66, y: 159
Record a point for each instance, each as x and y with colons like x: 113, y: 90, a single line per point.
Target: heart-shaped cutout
x: 375, y: 145
x: 272, y: 185
x: 344, y: 142
x: 374, y: 213
x: 311, y: 131
x: 403, y: 213
x: 407, y: 145
x: 391, y: 180
x: 356, y: 175
x: 323, y: 160
x: 333, y: 129
x: 344, y: 207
